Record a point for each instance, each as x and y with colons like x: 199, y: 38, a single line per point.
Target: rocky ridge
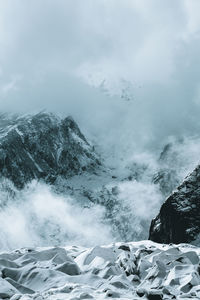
x: 43, y: 146
x: 179, y: 217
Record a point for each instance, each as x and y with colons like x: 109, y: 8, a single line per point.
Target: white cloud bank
x: 38, y: 217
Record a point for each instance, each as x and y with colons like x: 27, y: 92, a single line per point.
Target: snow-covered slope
x: 43, y: 146
x: 141, y: 270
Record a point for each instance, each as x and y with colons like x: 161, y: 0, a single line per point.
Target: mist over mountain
x: 47, y: 162
x: 58, y: 188
x: 83, y: 63
x: 99, y: 145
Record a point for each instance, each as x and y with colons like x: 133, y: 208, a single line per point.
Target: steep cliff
x: 179, y: 218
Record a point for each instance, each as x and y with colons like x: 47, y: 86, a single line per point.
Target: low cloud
x: 39, y: 217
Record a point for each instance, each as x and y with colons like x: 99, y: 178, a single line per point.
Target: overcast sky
x: 125, y: 69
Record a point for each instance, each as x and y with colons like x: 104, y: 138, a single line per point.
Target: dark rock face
x: 179, y: 217
x: 43, y: 146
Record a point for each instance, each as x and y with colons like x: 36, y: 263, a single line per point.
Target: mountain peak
x: 42, y: 146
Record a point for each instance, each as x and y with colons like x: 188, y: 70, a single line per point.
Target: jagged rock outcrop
x: 43, y: 146
x: 179, y: 218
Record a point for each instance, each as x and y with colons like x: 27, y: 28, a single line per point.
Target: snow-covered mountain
x: 43, y: 146
x: 48, y: 149
x: 54, y: 152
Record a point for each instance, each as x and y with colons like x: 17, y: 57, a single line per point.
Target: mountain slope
x: 179, y: 217
x: 43, y: 146
x: 46, y: 149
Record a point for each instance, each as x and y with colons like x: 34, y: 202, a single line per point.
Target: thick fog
x: 29, y: 221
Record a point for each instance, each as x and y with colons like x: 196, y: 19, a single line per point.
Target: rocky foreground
x: 137, y: 270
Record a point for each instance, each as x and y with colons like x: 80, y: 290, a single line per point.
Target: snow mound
x: 134, y: 270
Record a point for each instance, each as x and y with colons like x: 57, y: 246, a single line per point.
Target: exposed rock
x: 179, y: 217
x: 43, y: 146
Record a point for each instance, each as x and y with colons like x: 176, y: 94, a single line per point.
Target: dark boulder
x: 179, y: 218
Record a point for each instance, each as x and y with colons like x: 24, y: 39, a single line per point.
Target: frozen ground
x: 137, y: 270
